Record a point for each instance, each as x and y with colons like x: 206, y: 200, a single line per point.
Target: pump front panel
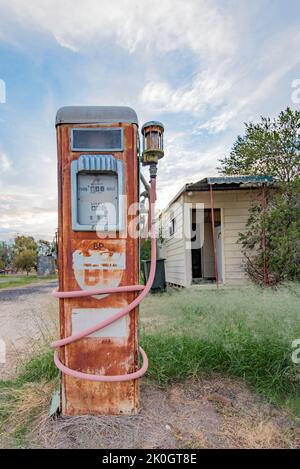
x: 98, y: 180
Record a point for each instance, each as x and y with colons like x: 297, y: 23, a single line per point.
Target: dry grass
x: 249, y: 427
x: 22, y: 409
x: 258, y: 432
x: 213, y: 412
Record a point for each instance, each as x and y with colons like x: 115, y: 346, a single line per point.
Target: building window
x: 172, y: 227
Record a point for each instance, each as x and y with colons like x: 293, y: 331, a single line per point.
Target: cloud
x: 274, y: 64
x: 5, y: 163
x: 199, y: 25
x: 208, y: 89
x: 203, y: 67
x: 28, y: 201
x: 24, y: 211
x: 184, y: 163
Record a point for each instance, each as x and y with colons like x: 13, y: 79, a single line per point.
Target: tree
x: 271, y: 147
x: 5, y: 254
x: 25, y: 251
x: 271, y: 238
x: 145, y: 254
x: 26, y: 260
x: 44, y: 247
x: 146, y: 250
x: 23, y: 243
x: 280, y: 223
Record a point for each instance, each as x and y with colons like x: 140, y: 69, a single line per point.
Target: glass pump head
x: 153, y: 142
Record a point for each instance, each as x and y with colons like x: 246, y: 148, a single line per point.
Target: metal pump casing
x: 97, y: 154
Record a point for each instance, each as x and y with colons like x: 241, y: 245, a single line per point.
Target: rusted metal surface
x: 86, y: 261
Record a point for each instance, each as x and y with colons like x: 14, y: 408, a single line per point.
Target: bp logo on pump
x: 99, y: 264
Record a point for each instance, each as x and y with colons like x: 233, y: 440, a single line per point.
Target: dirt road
x: 28, y: 317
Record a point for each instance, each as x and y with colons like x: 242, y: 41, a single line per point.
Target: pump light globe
x: 153, y: 143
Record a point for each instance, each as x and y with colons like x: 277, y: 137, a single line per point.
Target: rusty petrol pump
x: 98, y: 182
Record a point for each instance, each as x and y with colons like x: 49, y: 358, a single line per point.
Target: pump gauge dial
x: 97, y: 199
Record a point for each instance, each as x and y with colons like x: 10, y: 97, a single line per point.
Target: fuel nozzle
x: 153, y: 145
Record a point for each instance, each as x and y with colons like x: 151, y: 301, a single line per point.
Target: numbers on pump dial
x: 97, y: 199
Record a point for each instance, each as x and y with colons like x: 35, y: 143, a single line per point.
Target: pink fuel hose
x: 75, y: 294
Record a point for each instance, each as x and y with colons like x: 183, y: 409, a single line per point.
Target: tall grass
x: 265, y: 365
x: 245, y: 332
x: 38, y: 368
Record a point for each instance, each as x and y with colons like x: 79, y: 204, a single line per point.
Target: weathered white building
x: 197, y: 250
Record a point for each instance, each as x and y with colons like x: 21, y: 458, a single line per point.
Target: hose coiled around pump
x: 80, y: 293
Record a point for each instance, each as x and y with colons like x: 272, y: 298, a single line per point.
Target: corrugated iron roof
x: 230, y: 182
x: 95, y: 115
x: 239, y: 180
x: 223, y: 183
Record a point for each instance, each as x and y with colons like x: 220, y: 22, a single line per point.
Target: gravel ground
x: 28, y: 316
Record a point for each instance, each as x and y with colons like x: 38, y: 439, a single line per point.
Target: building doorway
x: 202, y: 252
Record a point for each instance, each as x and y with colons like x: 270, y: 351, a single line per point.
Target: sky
x: 202, y: 67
